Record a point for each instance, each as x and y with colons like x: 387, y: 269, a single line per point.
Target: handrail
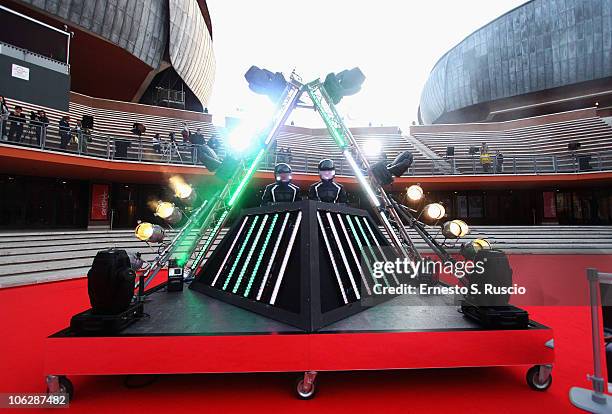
x: 133, y: 148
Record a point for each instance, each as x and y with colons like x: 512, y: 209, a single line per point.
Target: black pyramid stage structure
x: 301, y: 266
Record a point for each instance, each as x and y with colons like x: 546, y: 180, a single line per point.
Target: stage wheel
x: 534, y: 381
x: 65, y: 387
x: 304, y: 392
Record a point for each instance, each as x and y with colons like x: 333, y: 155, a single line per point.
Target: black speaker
x: 473, y: 150
x: 121, y: 148
x: 584, y: 163
x: 450, y: 151
x: 87, y: 122
x: 110, y: 282
x: 574, y: 146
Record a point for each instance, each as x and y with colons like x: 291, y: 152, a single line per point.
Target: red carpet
x: 29, y: 314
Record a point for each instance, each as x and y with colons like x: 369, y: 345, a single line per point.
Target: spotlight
x: 401, y: 163
x: 414, y: 192
x: 264, y: 82
x: 208, y: 157
x: 434, y: 211
x: 168, y: 212
x: 455, y: 229
x: 470, y: 248
x: 182, y: 190
x: 345, y: 83
x: 372, y: 148
x: 149, y: 232
x: 110, y: 284
x: 248, y: 133
x: 384, y: 173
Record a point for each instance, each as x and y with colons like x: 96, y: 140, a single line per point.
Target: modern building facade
x: 121, y: 49
x: 544, y: 56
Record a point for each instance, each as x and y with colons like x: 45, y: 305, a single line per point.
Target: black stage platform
x: 188, y: 332
x: 192, y: 313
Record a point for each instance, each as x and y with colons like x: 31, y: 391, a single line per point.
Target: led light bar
x: 362, y: 180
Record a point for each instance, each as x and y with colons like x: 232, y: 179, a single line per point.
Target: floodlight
x: 182, y: 190
x: 168, y: 212
x: 148, y: 232
x: 434, y: 211
x: 345, y: 83
x: 264, y: 82
x: 372, y: 147
x: 414, y: 192
x: 455, y: 229
x: 470, y: 248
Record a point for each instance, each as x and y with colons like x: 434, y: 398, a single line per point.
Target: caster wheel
x: 303, y: 392
x: 533, y: 379
x: 65, y: 387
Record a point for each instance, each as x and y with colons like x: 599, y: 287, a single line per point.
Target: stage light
x: 401, y: 163
x: 149, y: 232
x: 372, y: 148
x: 383, y: 172
x: 414, y: 192
x: 182, y: 190
x: 455, y: 229
x: 470, y: 248
x: 264, y: 82
x: 110, y: 285
x: 247, y: 134
x: 168, y: 212
x: 434, y: 211
x: 345, y: 83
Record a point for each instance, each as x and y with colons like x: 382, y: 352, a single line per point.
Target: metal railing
x: 49, y: 137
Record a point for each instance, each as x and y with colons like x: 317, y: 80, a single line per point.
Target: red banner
x: 99, y: 201
x: 550, y: 206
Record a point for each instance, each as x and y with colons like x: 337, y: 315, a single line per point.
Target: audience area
x: 539, y: 147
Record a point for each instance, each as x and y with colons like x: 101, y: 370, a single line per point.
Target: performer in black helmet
x: 327, y: 190
x: 282, y: 190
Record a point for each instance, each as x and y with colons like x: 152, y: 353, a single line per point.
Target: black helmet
x: 326, y: 165
x: 282, y: 168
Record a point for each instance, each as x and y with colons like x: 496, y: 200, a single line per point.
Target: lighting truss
x: 194, y: 240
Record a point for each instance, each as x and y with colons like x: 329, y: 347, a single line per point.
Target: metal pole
x: 595, y: 298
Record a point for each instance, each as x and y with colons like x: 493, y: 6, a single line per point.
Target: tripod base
x: 590, y: 401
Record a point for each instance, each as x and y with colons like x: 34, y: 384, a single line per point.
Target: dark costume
x: 282, y: 190
x: 327, y: 190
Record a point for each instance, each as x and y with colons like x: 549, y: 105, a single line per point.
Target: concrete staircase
x: 28, y: 258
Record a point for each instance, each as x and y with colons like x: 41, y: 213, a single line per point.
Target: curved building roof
x: 539, y: 45
x: 148, y: 29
